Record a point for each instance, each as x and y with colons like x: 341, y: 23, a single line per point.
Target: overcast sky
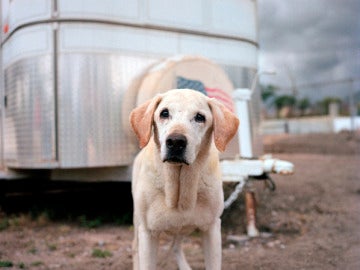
x: 310, y: 40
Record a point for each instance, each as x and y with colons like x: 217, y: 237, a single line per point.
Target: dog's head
x: 182, y: 121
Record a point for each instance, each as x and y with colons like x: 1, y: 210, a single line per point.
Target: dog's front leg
x: 212, y: 246
x: 179, y: 254
x: 148, y: 245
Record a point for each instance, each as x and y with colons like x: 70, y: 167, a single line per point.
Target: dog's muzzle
x: 176, y: 148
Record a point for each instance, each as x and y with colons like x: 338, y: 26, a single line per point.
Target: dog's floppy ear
x: 225, y: 124
x: 141, y: 120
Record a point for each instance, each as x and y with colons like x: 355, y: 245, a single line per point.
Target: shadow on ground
x: 91, y: 204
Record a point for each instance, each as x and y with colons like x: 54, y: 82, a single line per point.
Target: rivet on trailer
x: 72, y: 72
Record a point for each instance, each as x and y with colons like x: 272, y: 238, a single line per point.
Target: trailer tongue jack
x: 247, y: 168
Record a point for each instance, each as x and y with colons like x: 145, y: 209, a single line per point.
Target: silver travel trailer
x: 72, y: 70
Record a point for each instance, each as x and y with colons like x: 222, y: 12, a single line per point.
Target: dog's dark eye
x: 200, y: 118
x: 164, y: 114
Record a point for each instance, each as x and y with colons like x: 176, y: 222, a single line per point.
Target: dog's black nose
x: 176, y: 148
x: 176, y: 143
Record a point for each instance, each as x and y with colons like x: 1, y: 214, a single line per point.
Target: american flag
x: 217, y: 93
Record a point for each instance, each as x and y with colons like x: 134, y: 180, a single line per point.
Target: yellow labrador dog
x: 177, y: 185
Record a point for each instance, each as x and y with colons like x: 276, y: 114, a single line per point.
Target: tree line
x: 286, y: 105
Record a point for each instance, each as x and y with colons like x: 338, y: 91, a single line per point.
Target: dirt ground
x: 311, y: 221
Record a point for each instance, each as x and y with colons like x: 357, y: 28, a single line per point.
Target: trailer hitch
x: 269, y: 182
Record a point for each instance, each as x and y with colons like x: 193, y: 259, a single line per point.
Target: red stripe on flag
x: 222, y: 96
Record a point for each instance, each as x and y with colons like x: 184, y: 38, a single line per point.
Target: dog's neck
x: 181, y: 186
x: 181, y: 182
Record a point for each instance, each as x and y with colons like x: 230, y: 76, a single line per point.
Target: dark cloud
x: 310, y: 40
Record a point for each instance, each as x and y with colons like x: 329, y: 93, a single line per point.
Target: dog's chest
x: 173, y: 220
x: 183, y: 199
x: 160, y: 217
